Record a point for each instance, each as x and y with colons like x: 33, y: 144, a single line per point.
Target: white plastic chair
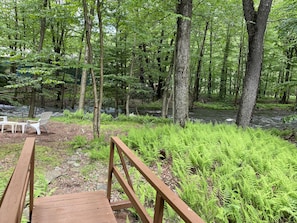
x: 3, y: 122
x: 44, y: 118
x: 4, y: 119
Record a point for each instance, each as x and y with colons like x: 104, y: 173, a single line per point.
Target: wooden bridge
x: 87, y: 207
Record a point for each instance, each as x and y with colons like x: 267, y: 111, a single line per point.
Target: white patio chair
x: 4, y: 119
x: 44, y: 118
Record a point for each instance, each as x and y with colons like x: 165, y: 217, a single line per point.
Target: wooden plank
x: 159, y: 209
x: 87, y: 207
x: 118, y: 205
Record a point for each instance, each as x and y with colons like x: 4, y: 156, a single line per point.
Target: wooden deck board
x: 88, y: 207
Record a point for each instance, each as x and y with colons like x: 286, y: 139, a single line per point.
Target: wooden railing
x: 22, y: 180
x: 14, y: 196
x: 163, y: 192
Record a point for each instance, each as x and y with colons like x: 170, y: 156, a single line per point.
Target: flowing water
x: 261, y: 118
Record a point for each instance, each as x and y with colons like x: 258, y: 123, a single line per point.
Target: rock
x: 51, y: 175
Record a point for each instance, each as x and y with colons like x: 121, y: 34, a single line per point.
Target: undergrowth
x: 225, y: 173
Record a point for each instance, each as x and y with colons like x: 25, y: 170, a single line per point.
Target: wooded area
x: 58, y: 51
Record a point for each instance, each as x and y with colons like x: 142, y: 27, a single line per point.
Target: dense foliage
x: 42, y: 49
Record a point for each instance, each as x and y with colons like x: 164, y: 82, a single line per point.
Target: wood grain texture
x: 88, y: 207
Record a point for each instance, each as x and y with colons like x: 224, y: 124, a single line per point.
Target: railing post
x: 125, y: 167
x: 31, y: 192
x: 110, y: 170
x: 159, y: 208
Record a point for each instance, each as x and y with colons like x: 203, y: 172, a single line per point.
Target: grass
x: 263, y: 104
x: 45, y: 157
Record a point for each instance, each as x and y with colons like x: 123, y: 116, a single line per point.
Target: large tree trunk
x: 181, y: 77
x: 256, y: 25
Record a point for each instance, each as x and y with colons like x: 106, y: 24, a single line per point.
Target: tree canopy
x: 43, y: 46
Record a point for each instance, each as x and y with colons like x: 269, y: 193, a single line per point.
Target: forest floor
x: 68, y: 176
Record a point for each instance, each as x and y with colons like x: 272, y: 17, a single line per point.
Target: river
x: 261, y: 118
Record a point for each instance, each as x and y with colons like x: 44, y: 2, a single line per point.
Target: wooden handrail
x: 163, y: 192
x: 13, y: 199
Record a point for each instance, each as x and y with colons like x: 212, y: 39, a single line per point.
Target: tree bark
x: 256, y: 25
x: 181, y: 77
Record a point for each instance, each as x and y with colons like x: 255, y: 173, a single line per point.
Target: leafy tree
x: 181, y: 76
x: 256, y: 22
x: 287, y: 34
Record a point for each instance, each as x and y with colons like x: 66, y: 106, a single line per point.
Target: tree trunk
x: 181, y: 77
x: 168, y: 83
x: 168, y: 93
x: 280, y: 79
x: 224, y: 72
x: 209, y: 81
x: 199, y: 66
x: 83, y: 84
x: 131, y: 75
x: 285, y: 93
x: 239, y: 66
x: 256, y: 25
x: 160, y: 90
x: 88, y: 15
x: 74, y: 92
x: 41, y: 39
x: 99, y: 14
